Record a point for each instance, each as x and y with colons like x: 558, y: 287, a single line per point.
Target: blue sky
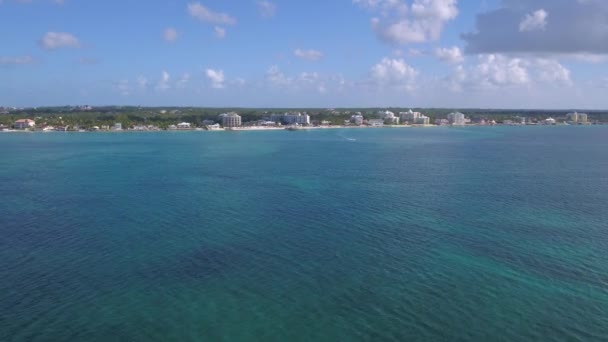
x: 313, y: 53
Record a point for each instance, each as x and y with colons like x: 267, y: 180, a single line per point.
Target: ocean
x: 429, y: 234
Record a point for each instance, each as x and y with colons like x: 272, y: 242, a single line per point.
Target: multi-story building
x: 376, y: 122
x: 409, y: 116
x: 117, y: 127
x: 357, y: 119
x: 422, y: 120
x: 549, y: 121
x: 184, y: 125
x: 577, y: 117
x: 24, y: 123
x: 231, y: 119
x: 291, y: 118
x: 456, y: 119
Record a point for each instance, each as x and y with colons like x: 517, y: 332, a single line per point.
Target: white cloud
x: 55, y: 40
x: 163, y: 83
x: 183, y: 81
x: 216, y: 77
x: 309, y: 55
x: 202, y: 13
x: 451, y: 55
x: 123, y: 87
x: 170, y: 34
x: 266, y: 8
x: 16, y: 60
x: 534, y: 21
x: 219, y: 32
x: 394, y: 73
x: 142, y: 82
x: 500, y: 71
x: 276, y: 77
x: 421, y: 22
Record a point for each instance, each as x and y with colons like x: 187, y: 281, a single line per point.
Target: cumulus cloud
x: 394, y: 72
x: 216, y: 77
x: 20, y: 60
x: 56, y: 40
x: 534, y: 21
x: 500, y: 71
x: 202, y: 13
x: 575, y: 27
x: 170, y: 34
x: 183, y: 81
x: 451, y: 55
x: 398, y: 23
x: 163, y: 83
x: 219, y: 32
x: 267, y: 9
x: 276, y: 77
x: 309, y: 55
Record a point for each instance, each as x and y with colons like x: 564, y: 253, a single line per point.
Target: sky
x: 532, y: 54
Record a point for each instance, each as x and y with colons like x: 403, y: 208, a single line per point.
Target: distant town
x: 87, y: 118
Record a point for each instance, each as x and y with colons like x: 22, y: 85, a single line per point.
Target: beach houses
x: 24, y: 124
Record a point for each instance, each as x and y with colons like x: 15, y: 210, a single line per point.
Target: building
x: 456, y: 119
x: 376, y: 122
x: 422, y: 120
x: 549, y: 121
x: 385, y: 114
x: 577, y: 117
x: 184, y: 125
x: 291, y: 118
x: 24, y: 123
x: 409, y: 116
x: 357, y: 119
x: 231, y: 119
x: 208, y: 122
x: 117, y: 127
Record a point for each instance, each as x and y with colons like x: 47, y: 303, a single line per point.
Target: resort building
x: 291, y: 118
x: 549, y: 121
x: 231, y: 119
x: 422, y: 120
x: 117, y: 127
x: 376, y: 122
x: 357, y: 119
x: 184, y: 125
x: 456, y: 119
x: 577, y: 117
x: 409, y: 116
x: 24, y: 123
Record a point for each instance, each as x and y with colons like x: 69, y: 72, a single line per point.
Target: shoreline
x: 258, y: 128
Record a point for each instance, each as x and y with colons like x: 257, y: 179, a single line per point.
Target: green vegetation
x: 165, y: 116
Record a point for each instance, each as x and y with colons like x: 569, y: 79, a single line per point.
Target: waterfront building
x: 291, y: 118
x: 24, y: 123
x: 422, y: 120
x: 577, y: 117
x: 549, y: 121
x: 376, y: 122
x: 456, y: 119
x: 409, y: 116
x: 184, y: 125
x: 386, y: 115
x: 117, y: 127
x: 357, y: 119
x: 231, y: 119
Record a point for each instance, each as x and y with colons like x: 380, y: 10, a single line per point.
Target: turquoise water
x: 442, y: 234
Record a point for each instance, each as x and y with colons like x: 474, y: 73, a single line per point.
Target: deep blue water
x: 439, y: 234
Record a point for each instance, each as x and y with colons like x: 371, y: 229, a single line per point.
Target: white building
x: 231, y: 119
x: 577, y: 117
x: 409, y: 116
x: 24, y: 123
x: 456, y: 119
x: 291, y: 118
x: 549, y: 121
x: 357, y: 119
x: 376, y: 122
x: 184, y: 125
x: 422, y: 120
x: 117, y: 127
x: 385, y: 114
